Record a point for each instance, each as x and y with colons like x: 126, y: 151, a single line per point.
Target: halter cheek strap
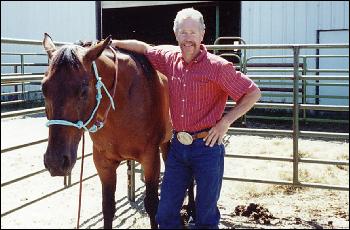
x: 99, y: 124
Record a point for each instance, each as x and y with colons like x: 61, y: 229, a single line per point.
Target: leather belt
x: 186, y: 138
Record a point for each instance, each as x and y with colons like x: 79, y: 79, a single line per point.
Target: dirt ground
x: 41, y: 201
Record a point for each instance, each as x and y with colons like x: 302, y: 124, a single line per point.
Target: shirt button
x: 182, y: 115
x: 183, y: 99
x: 184, y: 84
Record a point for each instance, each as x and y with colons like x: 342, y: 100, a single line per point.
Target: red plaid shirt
x: 198, y: 90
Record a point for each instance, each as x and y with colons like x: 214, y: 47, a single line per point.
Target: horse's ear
x: 96, y: 50
x: 48, y: 45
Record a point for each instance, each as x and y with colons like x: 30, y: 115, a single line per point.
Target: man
x: 199, y: 85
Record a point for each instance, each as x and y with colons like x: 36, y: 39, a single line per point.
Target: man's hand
x: 217, y: 132
x: 133, y: 45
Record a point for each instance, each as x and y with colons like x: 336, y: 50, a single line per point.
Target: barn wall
x: 297, y: 22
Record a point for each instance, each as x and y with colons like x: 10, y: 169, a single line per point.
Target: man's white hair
x: 188, y: 13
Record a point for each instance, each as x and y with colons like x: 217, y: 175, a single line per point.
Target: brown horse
x: 135, y: 130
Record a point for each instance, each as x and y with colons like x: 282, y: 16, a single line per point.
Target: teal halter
x: 81, y: 124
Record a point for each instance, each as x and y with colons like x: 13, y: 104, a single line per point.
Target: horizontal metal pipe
x: 255, y: 69
x: 323, y: 77
x: 12, y: 102
x: 23, y: 145
x: 18, y: 77
x: 22, y: 112
x: 281, y: 182
x: 270, y: 77
x: 20, y: 92
x: 277, y: 46
x: 21, y: 78
x: 302, y: 106
x: 24, y: 64
x: 325, y: 107
x: 287, y: 159
x: 329, y: 70
x: 320, y: 161
x: 229, y: 105
x: 28, y: 42
x: 324, y: 120
x: 259, y: 157
x: 235, y: 131
x: 301, y: 56
x: 276, y: 132
x: 324, y: 134
x: 14, y: 53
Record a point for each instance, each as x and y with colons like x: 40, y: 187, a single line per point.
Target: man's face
x: 189, y: 35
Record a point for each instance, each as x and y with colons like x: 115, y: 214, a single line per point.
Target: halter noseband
x: 99, y: 84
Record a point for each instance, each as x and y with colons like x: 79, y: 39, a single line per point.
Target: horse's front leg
x: 151, y: 166
x: 106, y: 170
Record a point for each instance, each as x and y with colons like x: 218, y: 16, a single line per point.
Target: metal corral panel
x: 293, y: 22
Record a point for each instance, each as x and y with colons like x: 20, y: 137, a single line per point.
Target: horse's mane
x: 140, y: 58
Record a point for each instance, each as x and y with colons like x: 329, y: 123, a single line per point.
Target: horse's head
x: 70, y: 95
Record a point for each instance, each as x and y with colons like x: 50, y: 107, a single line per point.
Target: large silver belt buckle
x: 184, y: 138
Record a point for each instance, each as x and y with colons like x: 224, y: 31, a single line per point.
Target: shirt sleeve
x: 160, y: 58
x: 233, y: 82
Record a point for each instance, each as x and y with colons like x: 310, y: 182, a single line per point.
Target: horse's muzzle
x: 61, y: 166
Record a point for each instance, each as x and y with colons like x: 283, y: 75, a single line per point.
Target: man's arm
x: 243, y: 106
x: 132, y: 45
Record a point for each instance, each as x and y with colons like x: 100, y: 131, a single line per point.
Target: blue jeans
x: 206, y: 165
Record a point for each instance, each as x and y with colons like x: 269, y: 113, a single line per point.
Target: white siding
x: 64, y: 21
x: 286, y: 22
x: 290, y: 22
x: 125, y: 4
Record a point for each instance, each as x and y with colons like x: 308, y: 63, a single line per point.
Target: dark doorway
x: 154, y: 24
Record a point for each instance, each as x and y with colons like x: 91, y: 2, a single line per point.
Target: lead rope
x: 82, y: 153
x: 81, y: 180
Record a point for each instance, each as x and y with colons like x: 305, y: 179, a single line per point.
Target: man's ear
x: 48, y: 45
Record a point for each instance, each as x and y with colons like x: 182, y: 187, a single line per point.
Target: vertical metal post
x: 142, y: 174
x: 296, y: 51
x: 98, y: 20
x: 317, y: 93
x: 67, y: 180
x: 217, y: 26
x: 217, y: 21
x: 131, y: 180
x: 304, y: 87
x: 22, y: 72
x: 16, y: 86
